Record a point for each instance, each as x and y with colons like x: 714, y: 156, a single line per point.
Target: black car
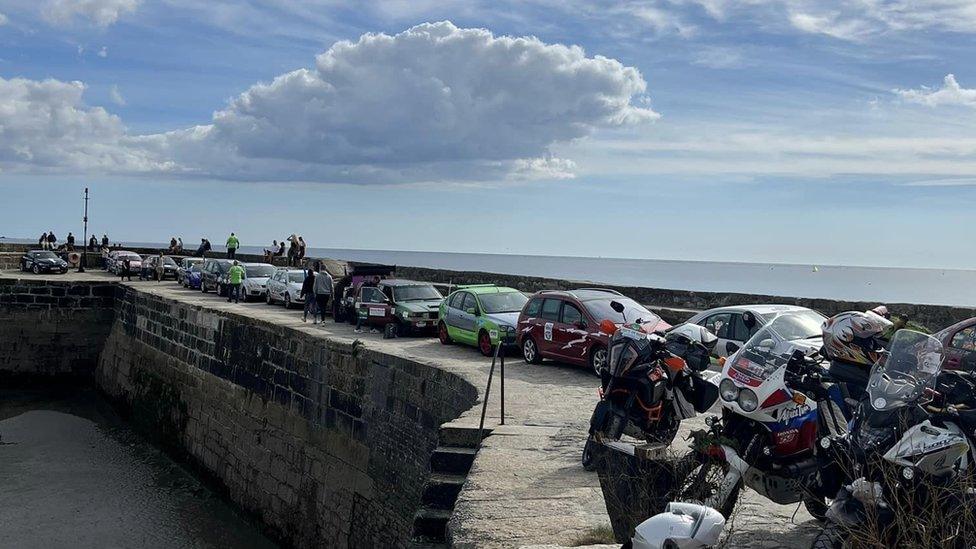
x: 170, y: 268
x: 210, y: 275
x: 43, y: 261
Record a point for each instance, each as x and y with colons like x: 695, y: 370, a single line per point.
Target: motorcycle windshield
x: 626, y: 346
x: 902, y: 377
x: 770, y: 348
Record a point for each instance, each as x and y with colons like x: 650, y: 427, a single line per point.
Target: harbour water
x: 74, y: 475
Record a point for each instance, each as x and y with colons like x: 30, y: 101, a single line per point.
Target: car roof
x: 480, y: 289
x: 256, y: 264
x: 584, y: 294
x: 403, y: 282
x: 760, y: 308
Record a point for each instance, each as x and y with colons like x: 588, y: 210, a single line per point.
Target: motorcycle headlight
x: 748, y: 400
x: 728, y: 390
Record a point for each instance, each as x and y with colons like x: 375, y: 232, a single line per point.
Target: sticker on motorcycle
x: 547, y: 331
x: 789, y: 414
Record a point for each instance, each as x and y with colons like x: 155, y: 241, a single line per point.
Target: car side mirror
x: 617, y: 306
x: 731, y: 347
x: 471, y: 311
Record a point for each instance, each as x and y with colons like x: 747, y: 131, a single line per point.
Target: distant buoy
x: 815, y: 268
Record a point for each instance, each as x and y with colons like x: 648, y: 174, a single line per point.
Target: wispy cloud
x: 116, y: 96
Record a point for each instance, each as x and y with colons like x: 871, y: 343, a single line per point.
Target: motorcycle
x: 651, y: 383
x: 911, y: 449
x: 778, y: 400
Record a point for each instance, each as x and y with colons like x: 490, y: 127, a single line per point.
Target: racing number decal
x: 548, y: 331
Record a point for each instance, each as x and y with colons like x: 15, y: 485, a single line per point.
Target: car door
x: 467, y: 318
x: 375, y: 304
x: 720, y: 324
x: 569, y: 334
x: 529, y: 321
x: 961, y: 353
x: 548, y: 318
x: 451, y: 308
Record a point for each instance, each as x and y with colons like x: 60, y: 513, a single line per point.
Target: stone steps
x: 449, y: 466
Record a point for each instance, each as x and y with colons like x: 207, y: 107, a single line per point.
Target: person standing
x: 301, y: 249
x: 70, y: 241
x: 308, y: 295
x: 42, y: 241
x: 232, y: 244
x: 236, y: 276
x: 126, y: 270
x: 51, y: 240
x: 323, y: 290
x: 160, y: 271
x: 179, y: 245
x: 92, y: 243
x: 172, y: 245
x: 105, y: 241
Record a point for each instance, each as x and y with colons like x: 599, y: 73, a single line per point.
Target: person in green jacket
x: 236, y: 276
x: 232, y: 245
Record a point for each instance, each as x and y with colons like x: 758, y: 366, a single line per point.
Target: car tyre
x: 287, y: 301
x: 35, y: 269
x: 598, y: 359
x: 530, y: 351
x: 484, y: 344
x: 203, y: 286
x: 442, y: 334
x: 268, y: 299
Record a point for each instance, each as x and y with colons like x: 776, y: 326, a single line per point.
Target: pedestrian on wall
x: 323, y: 290
x: 42, y: 241
x: 308, y: 294
x: 301, y: 249
x: 232, y: 244
x: 292, y: 250
x: 70, y: 241
x: 172, y: 245
x: 235, y: 276
x: 105, y: 241
x: 126, y: 271
x: 160, y: 271
x: 51, y: 240
x: 92, y: 243
x: 179, y: 245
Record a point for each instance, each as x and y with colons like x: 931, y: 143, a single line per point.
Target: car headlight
x: 406, y: 314
x: 748, y: 400
x: 728, y: 390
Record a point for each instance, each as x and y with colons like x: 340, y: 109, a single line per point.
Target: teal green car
x: 479, y: 315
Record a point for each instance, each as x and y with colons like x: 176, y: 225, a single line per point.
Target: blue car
x: 190, y: 275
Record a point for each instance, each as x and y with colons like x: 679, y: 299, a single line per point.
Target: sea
x: 852, y: 283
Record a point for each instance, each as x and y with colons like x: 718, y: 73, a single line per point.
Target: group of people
x: 176, y: 245
x: 49, y: 241
x: 316, y: 292
x: 296, y: 250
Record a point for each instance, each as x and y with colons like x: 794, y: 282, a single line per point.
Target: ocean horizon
x: 955, y: 287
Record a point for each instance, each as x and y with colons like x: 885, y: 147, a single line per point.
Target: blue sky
x: 785, y: 131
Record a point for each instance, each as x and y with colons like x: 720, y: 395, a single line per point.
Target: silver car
x: 256, y: 278
x: 285, y: 286
x: 730, y: 326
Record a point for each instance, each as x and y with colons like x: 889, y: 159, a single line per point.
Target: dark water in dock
x: 72, y: 474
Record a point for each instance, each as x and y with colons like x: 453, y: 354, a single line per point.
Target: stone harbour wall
x: 50, y: 329
x: 328, y: 443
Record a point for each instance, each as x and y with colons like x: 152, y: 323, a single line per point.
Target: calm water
x: 881, y: 284
x: 73, y: 475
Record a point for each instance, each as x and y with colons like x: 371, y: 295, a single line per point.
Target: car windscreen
x: 169, y: 261
x: 130, y: 257
x: 416, y: 293
x: 296, y: 277
x: 796, y: 325
x: 259, y: 271
x: 600, y: 309
x: 507, y: 302
x: 45, y: 255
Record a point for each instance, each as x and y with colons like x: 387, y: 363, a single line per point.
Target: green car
x: 480, y: 315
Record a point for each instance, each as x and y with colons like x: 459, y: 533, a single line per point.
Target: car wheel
x: 267, y: 298
x: 220, y: 289
x: 484, y: 344
x: 442, y: 333
x: 530, y: 351
x: 598, y: 359
x: 203, y: 286
x: 287, y: 301
x: 35, y: 269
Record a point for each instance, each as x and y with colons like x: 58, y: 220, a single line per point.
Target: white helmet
x: 853, y: 336
x: 680, y: 526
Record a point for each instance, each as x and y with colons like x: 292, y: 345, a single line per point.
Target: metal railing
x: 506, y: 338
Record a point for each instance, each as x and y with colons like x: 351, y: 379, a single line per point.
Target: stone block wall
x: 328, y: 443
x: 53, y: 328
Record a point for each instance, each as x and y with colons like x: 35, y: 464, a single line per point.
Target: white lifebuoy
x: 74, y: 258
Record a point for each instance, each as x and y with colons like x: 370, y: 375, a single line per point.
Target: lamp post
x: 84, y: 248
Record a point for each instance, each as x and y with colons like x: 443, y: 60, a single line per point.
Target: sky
x: 796, y: 131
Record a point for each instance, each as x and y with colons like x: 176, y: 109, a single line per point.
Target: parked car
x: 115, y: 260
x: 192, y: 275
x: 169, y: 267
x: 409, y: 305
x: 480, y: 315
x: 348, y: 285
x: 729, y: 324
x: 43, y: 261
x: 285, y: 286
x: 959, y: 342
x: 213, y: 270
x: 565, y: 325
x: 184, y: 266
x: 255, y: 281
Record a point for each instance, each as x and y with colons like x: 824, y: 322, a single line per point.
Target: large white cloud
x: 44, y: 125
x: 432, y: 103
x: 951, y: 93
x: 100, y: 12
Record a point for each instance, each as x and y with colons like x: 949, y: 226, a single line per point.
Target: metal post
x: 502, y: 353
x: 84, y: 242
x: 484, y: 405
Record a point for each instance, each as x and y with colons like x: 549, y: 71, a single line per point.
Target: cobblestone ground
x: 527, y: 487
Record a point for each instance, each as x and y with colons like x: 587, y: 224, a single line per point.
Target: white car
x: 256, y: 280
x: 729, y: 324
x: 285, y: 286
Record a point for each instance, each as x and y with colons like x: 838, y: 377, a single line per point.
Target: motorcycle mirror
x: 675, y: 364
x: 722, y: 360
x: 749, y: 320
x: 617, y: 306
x: 767, y: 343
x: 608, y: 327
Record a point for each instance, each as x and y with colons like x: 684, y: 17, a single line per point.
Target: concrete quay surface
x: 526, y: 487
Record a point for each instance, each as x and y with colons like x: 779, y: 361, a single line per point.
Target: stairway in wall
x: 449, y: 466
